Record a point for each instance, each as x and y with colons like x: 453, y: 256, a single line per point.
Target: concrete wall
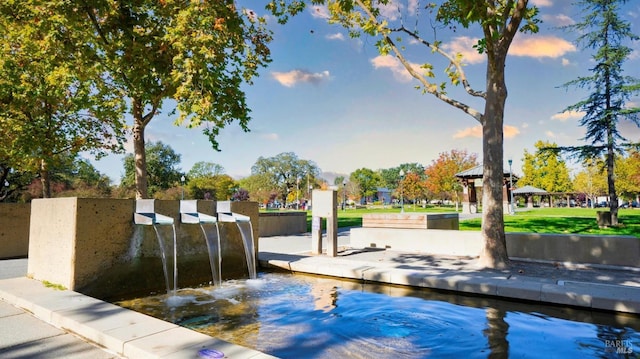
x: 586, y: 249
x: 282, y: 223
x: 93, y: 246
x: 411, y: 220
x: 14, y: 229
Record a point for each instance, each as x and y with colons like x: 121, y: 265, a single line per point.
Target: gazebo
x: 472, y: 178
x: 528, y: 192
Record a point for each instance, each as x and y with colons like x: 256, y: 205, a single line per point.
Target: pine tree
x: 610, y: 90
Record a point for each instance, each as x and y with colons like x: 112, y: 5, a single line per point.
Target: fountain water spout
x: 189, y: 213
x: 145, y: 214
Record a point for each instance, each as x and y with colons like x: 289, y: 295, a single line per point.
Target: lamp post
x: 401, y: 190
x: 511, y: 208
x: 344, y: 195
x: 182, y: 180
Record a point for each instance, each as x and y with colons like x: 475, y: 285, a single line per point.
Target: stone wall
x: 586, y: 249
x: 14, y: 230
x: 282, y: 223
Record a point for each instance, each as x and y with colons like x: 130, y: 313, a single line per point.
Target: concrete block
x: 167, y: 342
x: 517, y: 289
x: 554, y: 293
x: 478, y: 285
x: 14, y: 229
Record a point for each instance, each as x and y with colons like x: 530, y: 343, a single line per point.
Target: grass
x: 564, y: 220
x: 538, y: 220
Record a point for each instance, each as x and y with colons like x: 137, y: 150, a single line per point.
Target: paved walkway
x: 40, y: 322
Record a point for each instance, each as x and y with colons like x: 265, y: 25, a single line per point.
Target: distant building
x: 382, y: 195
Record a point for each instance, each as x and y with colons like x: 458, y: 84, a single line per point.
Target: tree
x: 412, y: 186
x: 284, y: 172
x: 367, y: 181
x: 207, y: 180
x: 391, y: 176
x: 545, y: 169
x: 441, y: 174
x: 605, y: 32
x: 590, y: 181
x: 499, y: 21
x: 628, y: 175
x: 162, y: 162
x: 260, y: 188
x: 196, y: 53
x: 53, y: 101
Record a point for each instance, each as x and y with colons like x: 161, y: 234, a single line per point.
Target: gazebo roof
x: 529, y: 190
x: 476, y: 172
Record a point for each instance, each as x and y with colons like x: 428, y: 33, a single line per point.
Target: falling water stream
x: 246, y: 231
x: 213, y: 247
x: 165, y: 266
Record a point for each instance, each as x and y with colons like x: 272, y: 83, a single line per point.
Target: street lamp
x: 344, y: 194
x: 401, y: 190
x: 512, y: 209
x: 182, y: 180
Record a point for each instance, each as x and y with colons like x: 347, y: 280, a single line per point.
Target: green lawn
x: 538, y: 220
x: 564, y: 220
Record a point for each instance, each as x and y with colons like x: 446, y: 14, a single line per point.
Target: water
x: 246, y: 231
x: 213, y: 247
x: 166, y: 260
x: 296, y: 316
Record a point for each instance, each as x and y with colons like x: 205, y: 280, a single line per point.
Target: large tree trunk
x: 45, y: 180
x: 140, y: 156
x: 494, y: 251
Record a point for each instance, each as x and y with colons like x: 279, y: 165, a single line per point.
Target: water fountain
x: 145, y: 215
x: 189, y: 215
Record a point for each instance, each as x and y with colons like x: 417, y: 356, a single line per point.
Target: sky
x: 336, y: 101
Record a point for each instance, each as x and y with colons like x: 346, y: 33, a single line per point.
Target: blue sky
x: 335, y: 101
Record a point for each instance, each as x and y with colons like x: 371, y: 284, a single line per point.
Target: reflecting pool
x: 301, y: 316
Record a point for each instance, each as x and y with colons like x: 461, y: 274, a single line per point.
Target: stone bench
x: 411, y: 220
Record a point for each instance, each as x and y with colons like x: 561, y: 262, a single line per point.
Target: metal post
x: 401, y: 192
x: 344, y: 195
x: 511, y: 207
x: 182, y: 180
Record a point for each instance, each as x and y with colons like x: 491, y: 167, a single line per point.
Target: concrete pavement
x: 37, y: 321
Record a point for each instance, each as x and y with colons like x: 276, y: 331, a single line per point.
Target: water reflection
x: 315, y: 317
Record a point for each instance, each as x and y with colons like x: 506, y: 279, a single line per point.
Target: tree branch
x: 428, y: 87
x: 458, y: 66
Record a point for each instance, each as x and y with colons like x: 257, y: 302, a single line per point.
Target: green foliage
x: 545, y: 169
x: 53, y: 99
x: 367, y: 180
x: 285, y: 173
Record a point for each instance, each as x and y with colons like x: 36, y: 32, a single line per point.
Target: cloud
x: 293, y: 77
x: 542, y: 3
x: 558, y: 20
x: 270, y: 136
x: 464, y: 45
x: 567, y: 115
x: 540, y: 46
x: 510, y: 131
x: 319, y: 12
x: 476, y: 131
x: 550, y: 134
x: 565, y: 62
x: 336, y: 36
x: 394, y: 65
